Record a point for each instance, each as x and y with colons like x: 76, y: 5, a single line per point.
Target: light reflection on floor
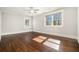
x: 53, y: 43
x: 40, y: 39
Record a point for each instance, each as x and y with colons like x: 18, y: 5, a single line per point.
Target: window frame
x: 62, y: 18
x: 29, y: 21
x: 46, y: 20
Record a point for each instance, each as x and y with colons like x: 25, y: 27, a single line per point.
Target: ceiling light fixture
x: 31, y: 10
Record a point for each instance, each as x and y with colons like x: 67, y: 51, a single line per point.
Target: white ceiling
x: 21, y: 9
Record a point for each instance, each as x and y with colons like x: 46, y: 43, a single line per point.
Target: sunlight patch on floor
x: 54, y: 40
x: 52, y: 43
x: 40, y: 39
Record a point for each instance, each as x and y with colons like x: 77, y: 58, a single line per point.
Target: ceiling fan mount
x: 32, y: 10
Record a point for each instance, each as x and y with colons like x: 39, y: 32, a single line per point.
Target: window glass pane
x: 27, y: 22
x: 57, y: 18
x: 57, y: 15
x: 49, y: 20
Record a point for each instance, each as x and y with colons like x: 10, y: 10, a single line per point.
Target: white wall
x: 0, y: 25
x: 13, y: 23
x: 78, y: 25
x: 69, y: 28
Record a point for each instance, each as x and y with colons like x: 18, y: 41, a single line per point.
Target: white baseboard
x: 78, y: 39
x: 14, y: 32
x: 0, y: 37
x: 69, y: 36
x: 62, y: 35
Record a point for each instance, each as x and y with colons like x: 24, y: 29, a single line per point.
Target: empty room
x: 39, y: 29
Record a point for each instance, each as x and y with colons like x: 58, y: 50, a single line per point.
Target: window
x: 49, y: 20
x: 27, y: 22
x: 57, y: 18
x: 54, y: 19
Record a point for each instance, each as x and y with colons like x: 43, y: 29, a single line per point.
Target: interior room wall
x: 14, y: 23
x: 69, y: 28
x: 78, y: 24
x: 0, y: 25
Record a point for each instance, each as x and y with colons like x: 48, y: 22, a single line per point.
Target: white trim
x: 65, y: 35
x: 78, y: 39
x: 15, y: 32
x: 68, y: 36
x: 61, y: 35
x: 0, y: 37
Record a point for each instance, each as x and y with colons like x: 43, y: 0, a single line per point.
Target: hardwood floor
x: 24, y: 42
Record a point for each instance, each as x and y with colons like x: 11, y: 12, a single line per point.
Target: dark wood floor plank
x: 23, y: 42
